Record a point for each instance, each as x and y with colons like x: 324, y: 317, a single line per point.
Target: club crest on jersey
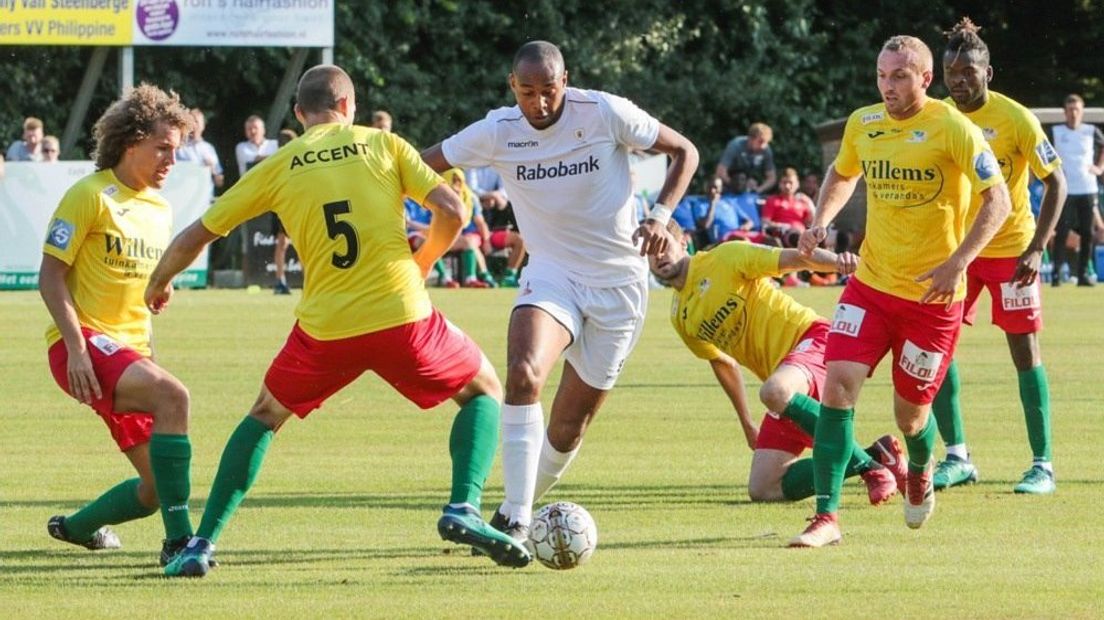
x: 917, y: 136
x: 873, y: 117
x: 704, y: 285
x: 989, y: 133
x: 848, y: 320
x: 1019, y: 297
x: 1045, y: 151
x: 919, y: 363
x: 61, y: 233
x: 985, y: 165
x: 579, y: 134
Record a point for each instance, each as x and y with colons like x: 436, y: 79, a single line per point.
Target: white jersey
x: 569, y: 183
x: 1076, y: 148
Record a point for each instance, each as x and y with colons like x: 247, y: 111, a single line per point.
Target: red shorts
x: 1016, y: 310
x: 427, y: 361
x: 500, y: 239
x: 778, y: 432
x: 869, y: 323
x: 109, y: 360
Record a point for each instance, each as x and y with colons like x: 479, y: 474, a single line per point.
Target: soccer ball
x: 563, y: 535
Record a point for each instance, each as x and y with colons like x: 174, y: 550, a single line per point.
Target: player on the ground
x: 103, y: 242
x: 728, y: 312
x: 563, y: 156
x: 921, y: 160
x: 339, y: 190
x: 1009, y: 265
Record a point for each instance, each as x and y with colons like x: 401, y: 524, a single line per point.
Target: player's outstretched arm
x: 51, y: 286
x: 820, y: 260
x: 994, y: 209
x: 1054, y: 196
x: 728, y: 375
x: 444, y: 227
x: 181, y: 252
x: 652, y: 233
x: 835, y: 193
x: 434, y: 157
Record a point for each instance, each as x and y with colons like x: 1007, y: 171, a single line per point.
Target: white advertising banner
x: 29, y: 193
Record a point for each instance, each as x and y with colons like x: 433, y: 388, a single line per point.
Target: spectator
x: 474, y: 236
x: 750, y: 154
x: 381, y: 120
x: 720, y: 218
x: 196, y: 149
x: 30, y: 147
x: 279, y: 251
x: 1081, y: 148
x: 255, y: 147
x: 787, y: 214
x: 499, y: 215
x: 810, y: 185
x: 51, y: 149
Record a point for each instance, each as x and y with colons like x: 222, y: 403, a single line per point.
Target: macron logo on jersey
x: 61, y: 233
x: 524, y: 144
x: 559, y: 169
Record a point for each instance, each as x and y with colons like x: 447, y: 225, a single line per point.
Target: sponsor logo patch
x: 1019, y: 297
x: 61, y: 233
x: 870, y: 118
x: 1045, y: 151
x: 919, y: 363
x: 848, y: 320
x: 106, y: 344
x: 986, y: 166
x: 110, y: 190
x: 874, y: 134
x: 804, y: 345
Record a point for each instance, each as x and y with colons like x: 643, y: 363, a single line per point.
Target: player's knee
x: 775, y: 395
x: 523, y: 381
x: 173, y: 398
x: 761, y: 490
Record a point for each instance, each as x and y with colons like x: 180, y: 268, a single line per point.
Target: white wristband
x: 660, y: 213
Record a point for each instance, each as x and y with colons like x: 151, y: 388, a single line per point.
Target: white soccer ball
x: 563, y: 535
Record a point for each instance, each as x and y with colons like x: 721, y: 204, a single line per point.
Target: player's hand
x: 810, y: 239
x: 751, y: 434
x: 1027, y: 268
x: 944, y: 280
x: 846, y: 263
x: 653, y: 238
x: 83, y: 384
x: 157, y: 299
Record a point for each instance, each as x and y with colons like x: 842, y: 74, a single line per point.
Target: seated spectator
x: 474, y: 236
x: 787, y: 214
x: 721, y: 218
x: 30, y: 147
x: 417, y: 223
x: 684, y: 216
x: 499, y: 215
x: 381, y: 120
x: 255, y: 147
x: 51, y: 149
x: 810, y: 185
x: 751, y: 155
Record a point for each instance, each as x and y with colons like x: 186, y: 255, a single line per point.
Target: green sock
x: 835, y: 436
x: 171, y: 461
x: 797, y: 482
x: 439, y: 269
x: 467, y: 265
x: 118, y: 505
x: 472, y: 446
x: 511, y: 273
x: 948, y: 410
x: 1035, y: 396
x: 238, y: 469
x: 804, y: 410
x: 921, y: 446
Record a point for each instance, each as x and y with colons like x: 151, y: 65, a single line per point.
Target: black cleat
x: 102, y: 538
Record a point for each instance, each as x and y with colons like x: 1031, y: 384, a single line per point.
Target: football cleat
x: 823, y: 530
x: 953, y: 471
x: 281, y: 289
x: 1036, y: 481
x: 103, y: 538
x: 514, y: 530
x: 193, y: 561
x: 919, y: 498
x: 880, y: 484
x: 887, y: 451
x: 169, y: 549
x: 464, y: 526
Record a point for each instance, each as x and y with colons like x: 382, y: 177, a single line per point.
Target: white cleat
x: 823, y: 530
x: 919, y: 498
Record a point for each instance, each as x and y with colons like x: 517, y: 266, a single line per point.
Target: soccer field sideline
x: 341, y: 520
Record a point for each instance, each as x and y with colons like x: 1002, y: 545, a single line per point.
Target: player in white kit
x: 563, y: 155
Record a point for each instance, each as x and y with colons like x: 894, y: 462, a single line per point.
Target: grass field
x: 341, y: 521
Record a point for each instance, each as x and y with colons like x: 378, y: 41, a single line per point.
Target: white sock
x: 553, y: 464
x: 522, y: 428
x: 959, y: 450
x: 1044, y: 464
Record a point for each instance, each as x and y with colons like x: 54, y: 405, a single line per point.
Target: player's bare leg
x: 279, y: 257
x: 573, y: 410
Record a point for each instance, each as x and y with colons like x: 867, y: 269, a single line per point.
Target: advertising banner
x: 29, y: 193
x: 207, y: 23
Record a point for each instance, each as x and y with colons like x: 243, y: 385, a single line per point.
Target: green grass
x: 341, y: 521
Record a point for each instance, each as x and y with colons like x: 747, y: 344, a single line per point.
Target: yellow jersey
x: 729, y: 304
x: 1019, y: 143
x: 338, y: 190
x: 919, y: 175
x: 111, y: 237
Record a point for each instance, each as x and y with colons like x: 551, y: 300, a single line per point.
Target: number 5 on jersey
x: 337, y: 228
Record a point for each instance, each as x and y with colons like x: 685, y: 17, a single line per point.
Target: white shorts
x: 605, y: 323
